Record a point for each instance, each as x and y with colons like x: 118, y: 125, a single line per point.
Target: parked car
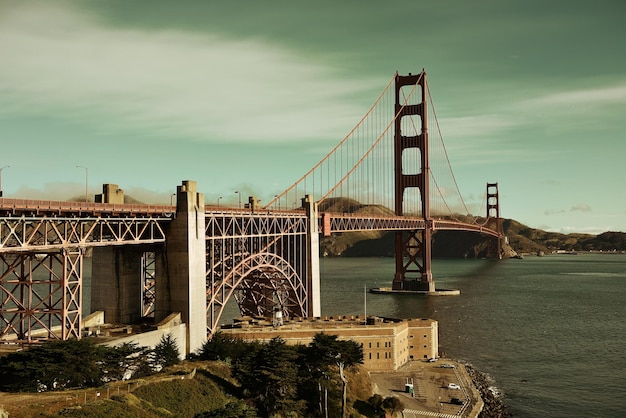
x: 432, y: 360
x: 447, y: 366
x: 453, y: 386
x: 456, y: 401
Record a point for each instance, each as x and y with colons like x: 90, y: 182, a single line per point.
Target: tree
x: 327, y: 350
x: 124, y: 361
x: 270, y: 377
x: 376, y: 401
x: 165, y: 353
x: 225, y: 348
x: 392, y: 405
x: 55, y: 365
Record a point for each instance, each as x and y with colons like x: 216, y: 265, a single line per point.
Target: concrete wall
x: 116, y: 282
x: 423, y: 339
x: 172, y: 325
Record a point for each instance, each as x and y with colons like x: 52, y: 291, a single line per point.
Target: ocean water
x: 550, y: 331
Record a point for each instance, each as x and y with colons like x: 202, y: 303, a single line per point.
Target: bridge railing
x: 15, y: 206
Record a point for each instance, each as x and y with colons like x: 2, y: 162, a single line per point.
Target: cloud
x: 592, y: 230
x: 601, y: 96
x: 553, y: 211
x: 64, y: 62
x: 476, y: 126
x: 581, y: 208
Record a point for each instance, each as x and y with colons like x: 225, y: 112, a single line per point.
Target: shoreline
x: 493, y: 400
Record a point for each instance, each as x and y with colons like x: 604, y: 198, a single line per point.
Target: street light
x: 218, y: 200
x: 2, y: 168
x: 237, y: 191
x: 275, y: 197
x: 171, y: 196
x: 86, y: 182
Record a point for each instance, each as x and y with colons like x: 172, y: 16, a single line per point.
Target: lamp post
x: 171, y: 199
x: 275, y: 196
x: 218, y: 200
x: 2, y: 168
x: 86, y: 182
x: 237, y: 192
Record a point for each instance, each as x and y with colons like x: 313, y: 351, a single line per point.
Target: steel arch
x: 264, y: 281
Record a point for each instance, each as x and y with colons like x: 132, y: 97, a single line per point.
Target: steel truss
x: 148, y: 281
x: 413, y: 247
x: 41, y: 296
x: 336, y: 222
x: 41, y: 269
x: 330, y: 222
x: 260, y: 259
x: 42, y: 233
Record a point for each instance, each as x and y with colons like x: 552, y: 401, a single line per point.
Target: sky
x: 248, y: 95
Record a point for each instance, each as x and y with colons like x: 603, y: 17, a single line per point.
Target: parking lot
x: 437, y: 390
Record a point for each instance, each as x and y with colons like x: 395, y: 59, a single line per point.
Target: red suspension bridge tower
x: 413, y: 248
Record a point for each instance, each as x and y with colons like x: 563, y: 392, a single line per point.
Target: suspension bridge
x: 390, y: 173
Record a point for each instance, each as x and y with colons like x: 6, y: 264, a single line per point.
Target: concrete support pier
x: 186, y: 265
x: 313, y: 258
x: 115, y: 283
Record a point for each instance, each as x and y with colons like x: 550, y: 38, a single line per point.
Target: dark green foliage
x: 392, y: 405
x: 376, y: 402
x: 225, y: 348
x: 233, y: 409
x: 59, y: 365
x: 270, y: 376
x: 165, y: 353
x: 328, y: 357
x: 124, y: 361
x: 53, y: 366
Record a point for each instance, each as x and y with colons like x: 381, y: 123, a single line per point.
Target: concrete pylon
x: 313, y: 258
x: 186, y: 264
x: 115, y: 284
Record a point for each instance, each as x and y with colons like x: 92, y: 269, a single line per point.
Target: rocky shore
x: 494, y: 406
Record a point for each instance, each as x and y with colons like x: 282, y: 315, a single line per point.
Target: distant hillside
x: 528, y: 240
x: 365, y: 242
x: 521, y: 238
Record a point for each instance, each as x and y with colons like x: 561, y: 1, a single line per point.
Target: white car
x: 453, y: 386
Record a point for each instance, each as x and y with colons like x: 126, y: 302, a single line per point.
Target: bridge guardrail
x: 15, y: 206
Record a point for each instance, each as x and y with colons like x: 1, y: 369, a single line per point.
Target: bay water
x: 550, y: 331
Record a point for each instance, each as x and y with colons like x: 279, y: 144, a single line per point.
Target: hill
x: 185, y: 390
